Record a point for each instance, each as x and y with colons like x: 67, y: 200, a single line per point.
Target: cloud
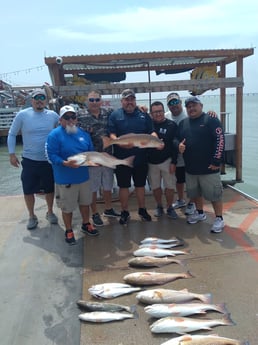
x: 217, y: 18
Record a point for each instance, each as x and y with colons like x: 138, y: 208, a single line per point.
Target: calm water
x: 10, y: 177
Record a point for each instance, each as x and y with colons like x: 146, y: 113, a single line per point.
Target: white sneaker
x: 218, y: 225
x: 196, y: 217
x: 190, y: 208
x: 179, y: 204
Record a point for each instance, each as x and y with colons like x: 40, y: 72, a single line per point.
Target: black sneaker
x: 97, y: 221
x: 69, y: 237
x: 125, y: 216
x: 88, y: 228
x: 144, y: 214
x: 111, y: 213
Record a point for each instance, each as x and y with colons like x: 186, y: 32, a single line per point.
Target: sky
x: 31, y: 31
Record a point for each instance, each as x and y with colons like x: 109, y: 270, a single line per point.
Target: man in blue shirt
x: 72, y: 180
x: 130, y: 119
x: 34, y: 123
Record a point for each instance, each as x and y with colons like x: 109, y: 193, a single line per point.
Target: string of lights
x: 7, y: 75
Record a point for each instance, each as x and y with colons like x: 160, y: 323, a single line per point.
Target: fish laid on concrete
x: 111, y: 290
x: 161, y: 245
x: 182, y: 325
x: 160, y: 240
x: 158, y: 252
x: 137, y: 140
x: 152, y: 278
x: 188, y: 339
x: 151, y: 261
x: 171, y: 296
x: 100, y: 158
x: 104, y: 316
x: 183, y: 309
x: 104, y: 306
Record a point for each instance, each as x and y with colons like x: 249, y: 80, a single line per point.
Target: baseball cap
x: 127, y: 93
x: 66, y: 109
x: 192, y: 99
x: 173, y: 95
x: 38, y: 92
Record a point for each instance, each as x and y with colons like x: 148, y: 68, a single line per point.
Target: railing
x: 6, y: 117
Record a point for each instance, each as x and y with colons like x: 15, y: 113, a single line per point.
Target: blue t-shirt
x: 59, y: 146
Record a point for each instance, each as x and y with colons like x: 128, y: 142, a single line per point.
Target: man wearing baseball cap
x: 72, y: 180
x: 34, y: 123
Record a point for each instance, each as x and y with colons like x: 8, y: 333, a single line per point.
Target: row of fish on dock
x: 171, y: 308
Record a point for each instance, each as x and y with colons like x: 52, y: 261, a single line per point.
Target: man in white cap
x: 34, y: 123
x: 72, y: 180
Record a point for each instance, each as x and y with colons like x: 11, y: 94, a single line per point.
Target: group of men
x: 192, y: 152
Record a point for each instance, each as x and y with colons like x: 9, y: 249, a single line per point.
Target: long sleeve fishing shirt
x: 204, y: 141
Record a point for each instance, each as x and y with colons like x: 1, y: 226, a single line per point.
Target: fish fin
x: 189, y: 275
x: 227, y: 320
x: 106, y: 141
x: 129, y: 161
x: 221, y: 308
x: 206, y: 298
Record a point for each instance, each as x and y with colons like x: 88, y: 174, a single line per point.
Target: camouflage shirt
x: 95, y: 126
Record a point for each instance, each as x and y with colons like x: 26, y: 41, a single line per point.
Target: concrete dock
x: 42, y: 277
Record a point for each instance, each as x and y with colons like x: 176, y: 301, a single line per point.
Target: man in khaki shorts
x: 201, y: 141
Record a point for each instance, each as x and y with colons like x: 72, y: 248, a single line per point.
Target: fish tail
x: 221, y: 308
x: 206, y: 298
x: 189, y: 275
x: 106, y: 141
x: 129, y: 161
x: 227, y: 321
x: 134, y: 311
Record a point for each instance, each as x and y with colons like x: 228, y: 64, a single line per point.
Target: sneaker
x: 88, y: 228
x: 32, y: 223
x: 52, y: 218
x: 190, y: 208
x: 125, y: 216
x: 179, y: 204
x: 171, y: 213
x: 111, y: 213
x: 69, y: 237
x: 159, y: 211
x: 218, y: 225
x: 97, y: 221
x: 144, y: 214
x: 196, y: 217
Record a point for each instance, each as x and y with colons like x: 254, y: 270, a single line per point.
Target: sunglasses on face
x: 39, y: 98
x: 69, y: 117
x: 94, y: 100
x: 174, y: 102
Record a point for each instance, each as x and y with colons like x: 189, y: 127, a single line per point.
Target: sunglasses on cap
x: 39, y: 98
x: 69, y: 117
x: 174, y: 102
x: 94, y: 100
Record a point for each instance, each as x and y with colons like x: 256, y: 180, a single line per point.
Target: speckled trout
x: 104, y: 316
x: 158, y: 252
x: 111, y: 290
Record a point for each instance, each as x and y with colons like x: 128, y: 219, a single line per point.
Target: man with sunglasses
x: 34, y: 124
x: 177, y: 113
x: 94, y: 120
x: 131, y: 119
x: 72, y: 180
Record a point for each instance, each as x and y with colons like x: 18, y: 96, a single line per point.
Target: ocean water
x: 10, y: 177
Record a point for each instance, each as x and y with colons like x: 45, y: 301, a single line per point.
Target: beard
x: 71, y: 129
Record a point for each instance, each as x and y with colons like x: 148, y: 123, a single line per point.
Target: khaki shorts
x: 69, y: 197
x: 209, y: 186
x: 159, y: 174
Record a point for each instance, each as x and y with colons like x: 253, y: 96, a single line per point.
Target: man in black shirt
x: 162, y: 163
